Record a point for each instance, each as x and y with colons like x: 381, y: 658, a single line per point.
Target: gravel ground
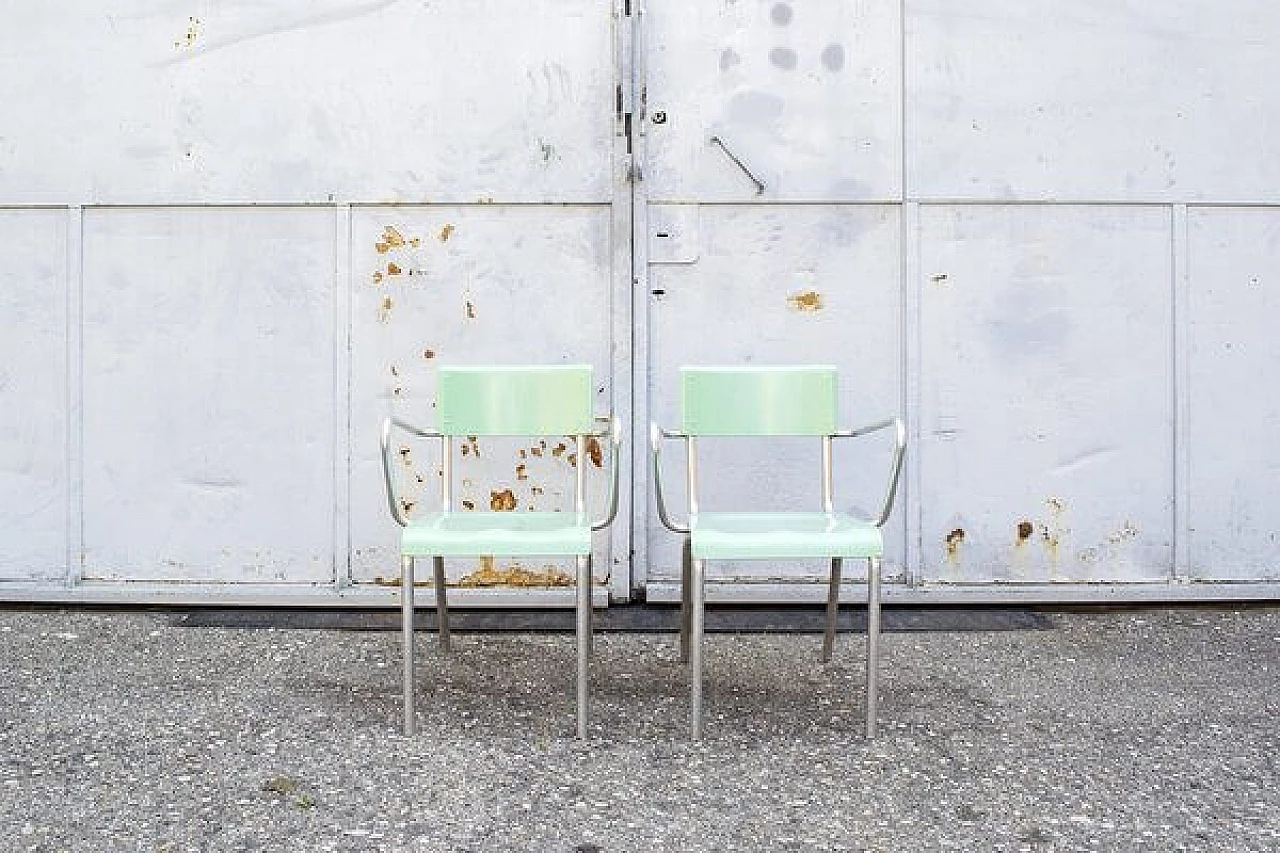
x: 1135, y: 730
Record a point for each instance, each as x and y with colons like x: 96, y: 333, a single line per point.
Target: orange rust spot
x: 415, y: 242
x: 503, y: 501
x: 809, y: 300
x: 522, y: 472
x: 384, y: 310
x: 466, y: 448
x: 1025, y: 529
x: 524, y: 454
x: 381, y: 248
x: 407, y: 505
x: 446, y: 232
x: 595, y: 452
x: 559, y: 450
x: 536, y: 451
x: 487, y: 575
x: 475, y: 445
x: 428, y: 353
x: 572, y: 459
x: 393, y: 269
x: 471, y: 310
x: 393, y: 238
x: 468, y: 505
x: 954, y: 540
x: 404, y: 454
x: 377, y: 277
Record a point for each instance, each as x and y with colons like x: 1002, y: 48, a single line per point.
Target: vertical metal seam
x: 342, y: 280
x: 641, y: 304
x: 74, y: 368
x: 1179, y: 389
x: 911, y: 320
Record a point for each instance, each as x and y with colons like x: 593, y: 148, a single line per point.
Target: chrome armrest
x: 397, y: 512
x: 900, y: 447
x: 656, y: 435
x: 615, y: 442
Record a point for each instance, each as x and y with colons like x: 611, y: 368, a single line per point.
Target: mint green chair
x: 512, y: 401
x: 761, y: 402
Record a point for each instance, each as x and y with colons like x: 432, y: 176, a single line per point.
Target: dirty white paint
x: 1042, y: 231
x: 1094, y: 100
x: 429, y: 289
x: 33, y: 399
x: 806, y: 95
x: 1047, y: 410
x: 1233, y: 486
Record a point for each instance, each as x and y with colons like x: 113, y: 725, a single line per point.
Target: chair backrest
x: 515, y: 400
x: 759, y: 401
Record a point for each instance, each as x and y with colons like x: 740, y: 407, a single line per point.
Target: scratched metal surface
x: 149, y: 101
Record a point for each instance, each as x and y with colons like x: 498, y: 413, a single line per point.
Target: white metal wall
x: 234, y: 236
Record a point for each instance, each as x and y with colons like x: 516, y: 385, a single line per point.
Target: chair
x: 511, y: 401
x: 771, y: 401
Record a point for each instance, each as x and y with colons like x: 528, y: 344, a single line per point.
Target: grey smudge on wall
x: 833, y: 57
x: 781, y: 14
x: 783, y: 57
x: 754, y: 107
x: 729, y: 58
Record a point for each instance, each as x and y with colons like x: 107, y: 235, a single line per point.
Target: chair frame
x: 693, y: 571
x: 583, y: 563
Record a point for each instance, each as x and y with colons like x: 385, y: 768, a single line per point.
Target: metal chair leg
x: 873, y: 642
x: 695, y: 642
x: 833, y: 610
x: 406, y: 610
x: 686, y: 597
x: 584, y: 640
x: 442, y: 604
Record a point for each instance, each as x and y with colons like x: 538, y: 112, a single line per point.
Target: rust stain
x: 535, y: 490
x: 522, y: 472
x: 954, y: 540
x: 377, y: 277
x: 939, y: 277
x: 469, y: 505
x: 404, y: 455
x: 488, y: 199
x: 428, y: 353
x: 809, y: 300
x: 1025, y: 529
x: 189, y: 37
x: 475, y: 445
x: 503, y: 501
x: 559, y: 450
x: 407, y: 505
x: 595, y: 452
x: 384, y: 310
x: 536, y: 451
x: 381, y: 248
x: 471, y: 310
x: 394, y: 269
x: 524, y: 454
x: 415, y: 242
x: 392, y: 237
x: 446, y: 232
x: 488, y: 575
x: 572, y: 459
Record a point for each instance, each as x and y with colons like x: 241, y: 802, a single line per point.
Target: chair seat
x: 769, y: 535
x: 509, y: 534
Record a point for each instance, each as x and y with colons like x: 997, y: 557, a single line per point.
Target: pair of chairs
x: 539, y: 401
